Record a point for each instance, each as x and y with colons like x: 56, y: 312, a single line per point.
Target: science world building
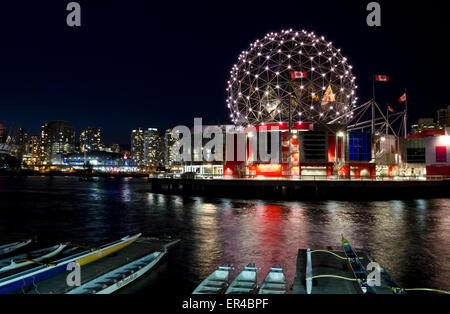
x: 300, y: 88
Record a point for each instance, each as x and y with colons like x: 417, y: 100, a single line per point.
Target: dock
x: 327, y: 264
x: 141, y: 247
x: 283, y: 189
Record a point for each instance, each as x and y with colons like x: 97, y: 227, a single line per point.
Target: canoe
x: 356, y: 268
x: 216, y: 283
x: 245, y: 282
x: 22, y: 260
x: 120, y: 277
x: 10, y: 247
x: 275, y: 282
x: 32, y: 276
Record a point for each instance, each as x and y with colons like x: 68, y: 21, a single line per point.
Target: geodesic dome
x: 294, y: 71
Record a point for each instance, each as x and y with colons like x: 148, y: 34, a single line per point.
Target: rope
x: 332, y: 253
x: 332, y: 276
x: 84, y: 247
x: 421, y: 289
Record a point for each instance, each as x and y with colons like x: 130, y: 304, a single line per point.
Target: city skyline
x: 199, y: 150
x: 132, y: 75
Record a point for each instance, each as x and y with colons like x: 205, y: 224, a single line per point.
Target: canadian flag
x: 390, y: 109
x: 297, y: 75
x: 382, y: 78
x: 402, y: 99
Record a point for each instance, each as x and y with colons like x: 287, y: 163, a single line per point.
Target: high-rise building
x: 444, y: 117
x: 23, y: 137
x: 169, y: 141
x: 57, y: 138
x: 90, y: 139
x: 21, y: 143
x: 137, y: 146
x: 33, y: 151
x: 115, y: 148
x: 152, y: 148
x: 3, y: 133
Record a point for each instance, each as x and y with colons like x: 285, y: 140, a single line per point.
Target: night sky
x: 162, y: 63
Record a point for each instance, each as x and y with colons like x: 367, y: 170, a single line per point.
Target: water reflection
x: 410, y: 238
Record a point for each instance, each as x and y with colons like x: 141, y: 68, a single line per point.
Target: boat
x: 356, y: 268
x: 32, y: 276
x: 216, y: 283
x: 10, y: 247
x: 275, y: 282
x: 22, y: 260
x: 120, y: 277
x: 245, y: 282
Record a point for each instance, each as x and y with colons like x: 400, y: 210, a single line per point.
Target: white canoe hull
x: 245, y: 283
x: 274, y: 283
x: 215, y: 283
x: 8, y: 248
x: 97, y: 285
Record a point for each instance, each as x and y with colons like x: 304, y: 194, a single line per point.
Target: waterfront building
x: 437, y: 154
x: 99, y: 161
x: 388, y: 155
x: 90, y: 139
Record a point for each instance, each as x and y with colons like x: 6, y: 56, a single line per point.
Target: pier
x: 311, y: 189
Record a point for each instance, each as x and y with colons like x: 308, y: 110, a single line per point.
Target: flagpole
x: 387, y: 120
x: 290, y: 144
x: 373, y: 87
x: 405, y: 122
x: 373, y: 104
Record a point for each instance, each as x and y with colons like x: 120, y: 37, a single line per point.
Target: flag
x: 297, y: 75
x: 402, y: 99
x: 390, y: 109
x: 382, y: 78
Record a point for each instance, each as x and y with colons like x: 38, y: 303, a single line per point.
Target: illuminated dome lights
x: 292, y: 69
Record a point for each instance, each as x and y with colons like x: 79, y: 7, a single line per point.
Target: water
x: 411, y: 239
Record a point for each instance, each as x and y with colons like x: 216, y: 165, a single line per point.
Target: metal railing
x: 297, y: 177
